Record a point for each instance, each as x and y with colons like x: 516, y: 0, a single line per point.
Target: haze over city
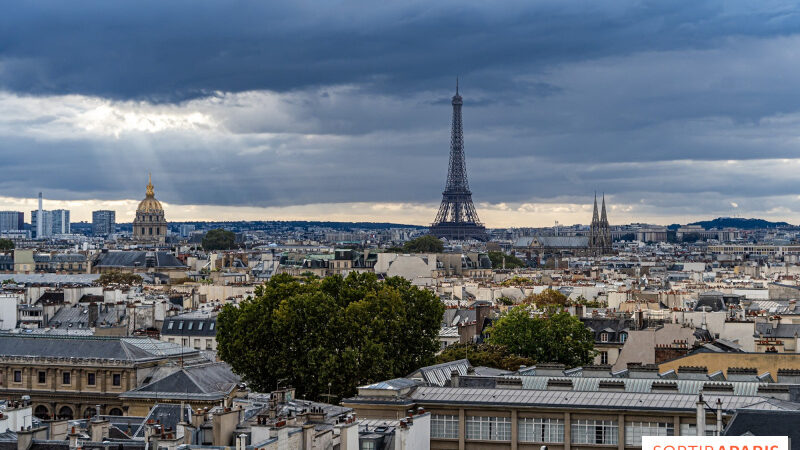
x: 678, y: 111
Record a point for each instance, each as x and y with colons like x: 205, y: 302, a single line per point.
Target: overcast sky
x: 339, y: 110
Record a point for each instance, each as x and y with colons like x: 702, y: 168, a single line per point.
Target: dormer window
x: 623, y: 337
x: 603, y: 337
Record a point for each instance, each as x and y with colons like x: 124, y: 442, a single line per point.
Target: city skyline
x: 678, y: 112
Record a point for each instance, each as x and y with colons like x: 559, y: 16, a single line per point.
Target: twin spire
x: 599, y: 230
x: 603, y: 217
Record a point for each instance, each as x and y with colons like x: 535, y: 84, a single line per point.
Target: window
x: 190, y: 325
x: 170, y: 324
x: 690, y: 429
x: 91, y: 379
x: 208, y: 344
x: 211, y: 325
x: 17, y: 376
x: 594, y: 432
x: 180, y: 325
x: 142, y: 230
x: 541, y: 430
x: 444, y: 426
x: 368, y: 445
x: 603, y: 337
x: 635, y: 430
x: 65, y: 378
x: 488, y: 428
x: 623, y: 337
x: 197, y: 344
x: 200, y: 325
x: 42, y: 377
x: 116, y: 379
x: 150, y: 231
x: 603, y: 357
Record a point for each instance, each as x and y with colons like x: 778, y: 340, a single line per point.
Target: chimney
x: 454, y: 378
x: 72, y: 436
x: 701, y: 416
x: 94, y: 311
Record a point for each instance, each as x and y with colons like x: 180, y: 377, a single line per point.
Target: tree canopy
x: 219, y: 239
x: 330, y: 334
x: 487, y: 355
x: 424, y: 244
x: 118, y: 277
x: 512, y: 262
x: 6, y: 245
x: 547, y: 297
x: 557, y: 337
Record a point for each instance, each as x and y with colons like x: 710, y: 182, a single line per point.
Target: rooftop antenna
x: 456, y: 85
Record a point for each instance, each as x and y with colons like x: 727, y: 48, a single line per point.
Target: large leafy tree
x: 6, y: 245
x: 329, y: 335
x: 511, y: 261
x: 547, y: 297
x: 119, y: 277
x: 219, y: 239
x: 487, y: 355
x: 424, y: 244
x: 556, y: 336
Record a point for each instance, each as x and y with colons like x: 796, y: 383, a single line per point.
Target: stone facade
x: 150, y: 225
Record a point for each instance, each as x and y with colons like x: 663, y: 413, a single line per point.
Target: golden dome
x: 150, y: 204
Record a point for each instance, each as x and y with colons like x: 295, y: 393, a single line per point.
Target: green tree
x: 424, y: 244
x: 119, y: 277
x: 6, y: 245
x: 486, y: 355
x: 557, y: 337
x: 343, y: 331
x: 547, y: 297
x: 512, y: 262
x: 219, y: 239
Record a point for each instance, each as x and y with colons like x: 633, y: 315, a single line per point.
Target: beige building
x: 67, y: 376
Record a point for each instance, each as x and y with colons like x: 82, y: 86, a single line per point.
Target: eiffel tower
x: 457, y: 219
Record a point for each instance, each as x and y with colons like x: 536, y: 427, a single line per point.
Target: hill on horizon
x: 735, y: 222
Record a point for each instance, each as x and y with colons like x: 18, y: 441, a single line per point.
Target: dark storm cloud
x: 349, y: 101
x: 181, y: 49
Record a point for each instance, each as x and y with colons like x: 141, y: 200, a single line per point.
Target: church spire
x: 150, y: 191
x: 595, y: 217
x: 603, y: 217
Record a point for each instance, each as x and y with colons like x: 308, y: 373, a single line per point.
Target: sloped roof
x: 439, y: 374
x: 68, y: 346
x: 137, y: 259
x: 562, y: 241
x: 209, y: 381
x: 575, y: 399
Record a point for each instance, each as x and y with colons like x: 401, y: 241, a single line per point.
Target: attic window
x: 200, y: 326
x: 190, y: 325
x: 603, y: 337
x: 180, y: 325
x: 170, y: 324
x: 211, y: 325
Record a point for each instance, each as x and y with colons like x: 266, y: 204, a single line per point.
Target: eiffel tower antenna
x: 457, y: 218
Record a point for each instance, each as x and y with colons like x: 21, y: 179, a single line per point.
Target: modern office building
x: 53, y: 222
x: 12, y: 220
x: 103, y: 222
x: 60, y: 221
